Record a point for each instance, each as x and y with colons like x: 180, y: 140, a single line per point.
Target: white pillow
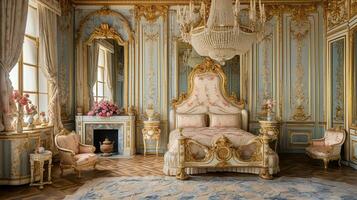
x: 225, y: 120
x: 190, y: 120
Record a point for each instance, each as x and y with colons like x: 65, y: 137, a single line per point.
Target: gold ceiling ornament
x: 105, y: 11
x: 104, y: 31
x: 150, y: 12
x: 336, y: 12
x: 208, y: 65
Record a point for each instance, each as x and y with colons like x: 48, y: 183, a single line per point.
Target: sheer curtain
x: 48, y: 62
x: 13, y: 15
x: 93, y: 52
x: 109, y: 76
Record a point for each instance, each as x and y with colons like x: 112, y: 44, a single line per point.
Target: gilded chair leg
x: 181, y: 174
x: 326, y: 163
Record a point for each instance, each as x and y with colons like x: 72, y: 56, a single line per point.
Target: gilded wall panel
x: 152, y: 36
x: 65, y: 48
x: 264, y: 71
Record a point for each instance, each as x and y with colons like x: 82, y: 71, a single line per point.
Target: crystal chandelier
x: 229, y: 30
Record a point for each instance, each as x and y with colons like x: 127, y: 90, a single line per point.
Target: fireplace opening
x: 99, y: 135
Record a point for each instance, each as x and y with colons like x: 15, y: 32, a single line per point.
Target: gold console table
x: 151, y: 131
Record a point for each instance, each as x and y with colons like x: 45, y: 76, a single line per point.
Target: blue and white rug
x: 212, y: 188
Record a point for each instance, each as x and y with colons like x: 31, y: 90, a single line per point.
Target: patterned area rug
x: 212, y: 188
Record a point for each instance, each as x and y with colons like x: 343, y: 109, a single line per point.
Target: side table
x: 272, y: 129
x: 41, y: 158
x: 151, y: 131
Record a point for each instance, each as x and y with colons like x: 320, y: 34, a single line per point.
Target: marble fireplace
x: 121, y: 129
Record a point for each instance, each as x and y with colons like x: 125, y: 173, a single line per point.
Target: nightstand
x: 151, y: 131
x: 272, y: 129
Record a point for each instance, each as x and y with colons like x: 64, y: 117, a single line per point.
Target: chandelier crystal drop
x: 229, y: 30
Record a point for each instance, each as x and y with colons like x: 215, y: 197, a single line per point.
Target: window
x: 26, y: 76
x: 100, y: 88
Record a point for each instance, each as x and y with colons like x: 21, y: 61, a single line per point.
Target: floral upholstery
x: 73, y: 154
x: 329, y: 147
x: 187, y: 120
x: 207, y: 97
x: 84, y: 158
x: 70, y: 141
x: 224, y: 120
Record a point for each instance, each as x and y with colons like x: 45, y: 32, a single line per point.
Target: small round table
x: 41, y: 158
x: 151, y: 131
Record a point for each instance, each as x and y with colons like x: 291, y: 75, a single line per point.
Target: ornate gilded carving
x: 150, y: 12
x: 300, y: 28
x: 104, y: 31
x: 353, y: 8
x: 208, y: 65
x: 105, y: 11
x: 336, y: 12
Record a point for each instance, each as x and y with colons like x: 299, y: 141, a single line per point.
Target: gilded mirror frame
x: 329, y: 81
x: 104, y: 31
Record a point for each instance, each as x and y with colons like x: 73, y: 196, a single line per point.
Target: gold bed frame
x: 221, y: 154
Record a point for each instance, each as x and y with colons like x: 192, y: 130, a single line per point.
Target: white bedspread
x: 207, y: 136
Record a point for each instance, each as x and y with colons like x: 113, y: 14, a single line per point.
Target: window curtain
x: 13, y: 15
x: 48, y: 62
x: 93, y: 53
x: 109, y: 76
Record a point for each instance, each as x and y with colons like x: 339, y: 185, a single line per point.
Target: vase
x: 29, y: 121
x: 270, y: 116
x: 106, y: 147
x: 150, y: 112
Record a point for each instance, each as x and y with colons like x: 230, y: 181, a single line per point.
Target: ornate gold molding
x: 150, y: 12
x: 104, y: 31
x: 353, y: 8
x: 105, y: 11
x: 208, y: 65
x: 336, y: 12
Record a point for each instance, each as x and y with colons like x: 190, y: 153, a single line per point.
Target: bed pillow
x: 225, y: 120
x: 190, y: 120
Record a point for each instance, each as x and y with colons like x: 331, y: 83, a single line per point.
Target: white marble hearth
x: 85, y: 126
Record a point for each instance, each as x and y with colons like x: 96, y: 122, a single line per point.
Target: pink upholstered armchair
x: 73, y: 154
x: 329, y: 147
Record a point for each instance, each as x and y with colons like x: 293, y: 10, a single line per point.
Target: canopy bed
x: 209, y: 131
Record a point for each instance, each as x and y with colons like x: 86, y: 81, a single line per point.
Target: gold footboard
x: 222, y: 154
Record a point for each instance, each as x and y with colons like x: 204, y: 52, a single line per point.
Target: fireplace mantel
x: 125, y: 125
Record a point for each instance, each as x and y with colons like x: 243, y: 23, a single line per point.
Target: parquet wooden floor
x: 291, y: 165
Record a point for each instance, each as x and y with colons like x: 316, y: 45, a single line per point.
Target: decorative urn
x: 150, y: 112
x: 106, y: 147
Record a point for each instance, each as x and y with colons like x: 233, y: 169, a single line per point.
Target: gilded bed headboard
x: 207, y: 94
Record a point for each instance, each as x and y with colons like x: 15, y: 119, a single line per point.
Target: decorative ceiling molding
x: 177, y: 2
x: 336, y: 12
x: 105, y: 11
x: 150, y: 12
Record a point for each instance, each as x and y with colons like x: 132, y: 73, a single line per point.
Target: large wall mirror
x: 188, y: 58
x: 106, y: 65
x: 337, y: 66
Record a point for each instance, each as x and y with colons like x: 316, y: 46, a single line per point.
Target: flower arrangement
x: 104, y: 109
x: 22, y: 100
x: 268, y: 105
x: 30, y: 109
